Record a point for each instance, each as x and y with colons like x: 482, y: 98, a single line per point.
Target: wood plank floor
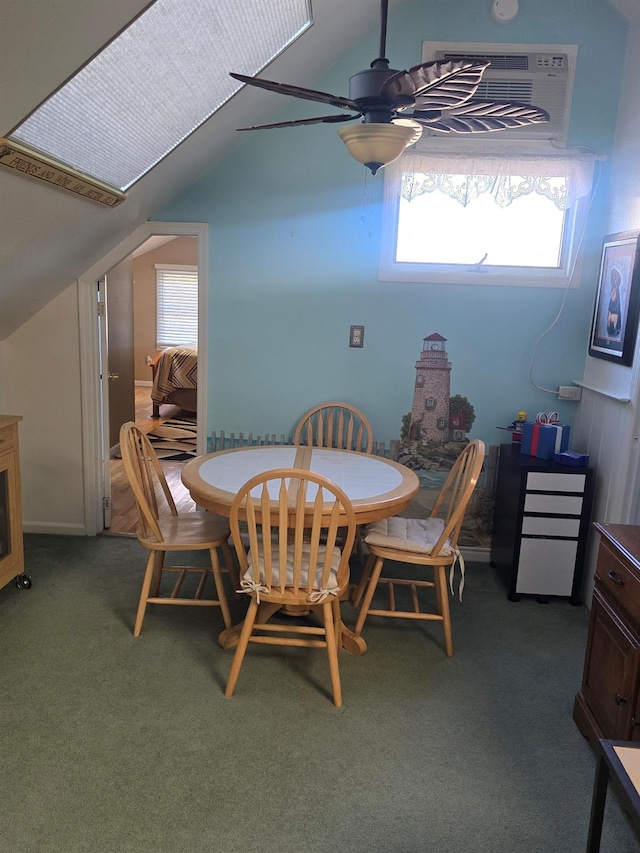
x: 124, y: 515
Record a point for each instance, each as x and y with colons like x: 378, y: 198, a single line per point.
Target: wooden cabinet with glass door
x: 11, y: 546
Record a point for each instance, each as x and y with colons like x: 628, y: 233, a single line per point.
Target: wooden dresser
x: 608, y: 703
x: 11, y: 547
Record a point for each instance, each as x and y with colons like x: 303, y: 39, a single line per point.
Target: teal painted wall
x: 294, y: 252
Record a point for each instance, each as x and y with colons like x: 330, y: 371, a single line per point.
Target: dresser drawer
x: 543, y: 525
x: 553, y: 504
x: 620, y: 583
x: 546, y: 566
x: 543, y: 481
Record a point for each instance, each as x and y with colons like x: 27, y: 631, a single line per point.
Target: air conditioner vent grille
x: 505, y: 90
x: 504, y: 62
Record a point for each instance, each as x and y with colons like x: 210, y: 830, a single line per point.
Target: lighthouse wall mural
x: 433, y: 434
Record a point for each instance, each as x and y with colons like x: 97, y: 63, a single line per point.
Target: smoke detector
x: 504, y: 11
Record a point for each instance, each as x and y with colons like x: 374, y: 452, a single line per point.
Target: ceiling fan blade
x: 482, y: 117
x: 316, y: 120
x: 297, y: 92
x: 435, y: 85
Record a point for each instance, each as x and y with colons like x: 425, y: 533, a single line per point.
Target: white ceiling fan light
x: 377, y: 145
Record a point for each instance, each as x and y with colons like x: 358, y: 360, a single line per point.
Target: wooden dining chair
x: 336, y: 425
x: 429, y: 542
x: 292, y: 519
x: 161, y: 528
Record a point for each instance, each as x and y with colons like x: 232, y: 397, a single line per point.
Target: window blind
x: 157, y: 81
x: 177, y: 306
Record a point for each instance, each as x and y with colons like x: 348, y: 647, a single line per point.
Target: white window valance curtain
x: 562, y: 178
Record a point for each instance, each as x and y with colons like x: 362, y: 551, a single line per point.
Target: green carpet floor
x: 111, y: 744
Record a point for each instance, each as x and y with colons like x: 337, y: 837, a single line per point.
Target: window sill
x: 504, y: 278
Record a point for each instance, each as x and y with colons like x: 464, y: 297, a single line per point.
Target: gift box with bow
x: 544, y: 440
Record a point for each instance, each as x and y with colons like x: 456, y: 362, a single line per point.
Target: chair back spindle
x: 147, y: 480
x: 453, y: 499
x: 293, y: 517
x: 336, y: 425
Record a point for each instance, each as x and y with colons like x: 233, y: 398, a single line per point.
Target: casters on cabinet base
x: 23, y: 581
x: 513, y: 596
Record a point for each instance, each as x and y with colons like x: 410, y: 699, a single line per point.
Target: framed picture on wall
x: 615, y: 313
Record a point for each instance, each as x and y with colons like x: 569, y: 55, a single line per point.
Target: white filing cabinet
x: 540, y: 525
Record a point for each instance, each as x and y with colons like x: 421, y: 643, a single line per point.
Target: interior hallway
x: 124, y: 516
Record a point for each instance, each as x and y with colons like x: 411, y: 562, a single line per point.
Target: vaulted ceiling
x: 48, y: 238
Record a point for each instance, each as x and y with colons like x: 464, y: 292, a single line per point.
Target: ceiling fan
x: 397, y: 105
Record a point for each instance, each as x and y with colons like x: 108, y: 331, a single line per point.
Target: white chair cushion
x: 332, y: 583
x: 418, y: 535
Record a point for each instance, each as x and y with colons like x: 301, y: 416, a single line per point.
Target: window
x: 176, y: 306
x: 152, y: 86
x: 485, y: 218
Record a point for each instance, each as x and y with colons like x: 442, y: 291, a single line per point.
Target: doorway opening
x: 152, y: 346
x: 131, y: 269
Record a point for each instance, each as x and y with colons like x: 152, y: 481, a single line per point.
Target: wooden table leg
x: 352, y: 643
x: 597, y: 805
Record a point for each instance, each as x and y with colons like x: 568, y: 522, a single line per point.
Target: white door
x: 103, y: 367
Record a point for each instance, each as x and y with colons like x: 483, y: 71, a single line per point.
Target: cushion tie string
x: 250, y: 586
x: 317, y: 596
x: 460, y: 558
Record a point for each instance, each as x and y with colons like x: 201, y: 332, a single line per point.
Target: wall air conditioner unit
x: 538, y: 74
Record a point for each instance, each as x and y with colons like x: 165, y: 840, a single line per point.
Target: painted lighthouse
x: 430, y: 407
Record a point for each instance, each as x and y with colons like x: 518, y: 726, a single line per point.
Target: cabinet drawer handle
x: 614, y: 577
x: 621, y: 700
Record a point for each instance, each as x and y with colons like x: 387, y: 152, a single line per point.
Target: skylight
x: 156, y: 83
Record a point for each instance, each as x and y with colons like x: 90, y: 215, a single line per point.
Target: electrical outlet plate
x: 356, y: 336
x: 569, y: 392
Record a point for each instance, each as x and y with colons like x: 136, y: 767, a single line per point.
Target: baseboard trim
x: 477, y: 555
x: 54, y: 528
x: 143, y: 383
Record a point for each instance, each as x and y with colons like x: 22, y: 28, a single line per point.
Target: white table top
x: 376, y: 486
x: 358, y: 475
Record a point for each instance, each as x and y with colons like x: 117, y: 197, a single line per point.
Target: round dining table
x: 377, y: 488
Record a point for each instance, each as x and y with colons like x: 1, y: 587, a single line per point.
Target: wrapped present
x: 544, y: 440
x: 575, y: 459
